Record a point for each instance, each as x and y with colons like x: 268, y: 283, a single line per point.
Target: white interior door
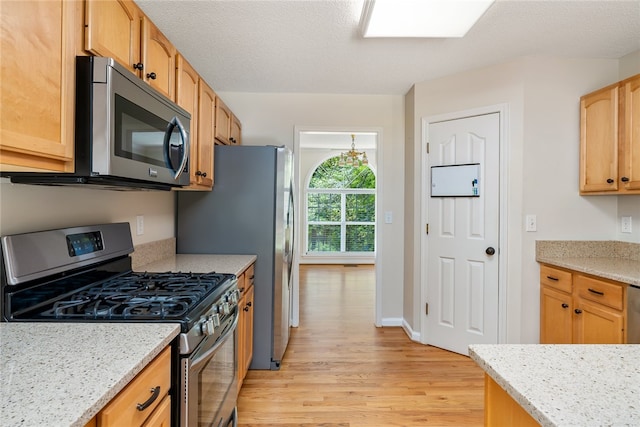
x: 462, y: 273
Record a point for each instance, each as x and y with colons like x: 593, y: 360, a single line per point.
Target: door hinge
x: 427, y: 148
x: 426, y: 228
x: 426, y: 308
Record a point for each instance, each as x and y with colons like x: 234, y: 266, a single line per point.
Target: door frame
x: 502, y: 110
x: 295, y: 289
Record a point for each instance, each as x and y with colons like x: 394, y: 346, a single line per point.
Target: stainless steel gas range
x: 83, y: 274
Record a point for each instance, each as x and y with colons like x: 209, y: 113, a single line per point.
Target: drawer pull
x: 593, y: 291
x: 578, y: 311
x: 565, y: 305
x: 241, y: 290
x: 555, y: 279
x: 155, y: 392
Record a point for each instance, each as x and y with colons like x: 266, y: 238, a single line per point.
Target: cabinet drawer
x: 556, y: 278
x: 123, y: 410
x: 605, y: 293
x: 249, y: 275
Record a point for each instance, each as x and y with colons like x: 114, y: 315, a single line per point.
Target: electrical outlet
x: 139, y: 225
x: 530, y: 223
x: 625, y: 224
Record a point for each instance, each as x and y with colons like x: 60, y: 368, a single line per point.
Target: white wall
x: 25, y: 208
x: 542, y: 163
x: 270, y: 119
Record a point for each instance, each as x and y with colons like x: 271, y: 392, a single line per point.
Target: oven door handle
x: 168, y: 147
x: 196, y: 363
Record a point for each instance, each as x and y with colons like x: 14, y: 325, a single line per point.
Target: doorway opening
x: 337, y: 202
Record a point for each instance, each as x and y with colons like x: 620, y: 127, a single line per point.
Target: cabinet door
x: 38, y: 85
x: 187, y: 97
x: 158, y: 58
x: 248, y: 329
x: 630, y: 133
x: 161, y: 417
x: 223, y: 122
x: 599, y: 141
x: 206, y: 111
x: 597, y: 324
x: 236, y: 131
x: 555, y: 317
x: 241, y: 341
x: 112, y: 29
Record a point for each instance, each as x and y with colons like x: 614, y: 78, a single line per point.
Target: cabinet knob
x: 577, y: 311
x: 610, y: 181
x: 138, y: 66
x: 246, y: 309
x: 151, y: 76
x: 565, y: 305
x: 624, y: 179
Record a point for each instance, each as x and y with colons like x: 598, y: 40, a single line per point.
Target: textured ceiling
x: 314, y: 46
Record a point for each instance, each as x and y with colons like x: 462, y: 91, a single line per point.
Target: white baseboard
x: 413, y: 335
x: 391, y: 321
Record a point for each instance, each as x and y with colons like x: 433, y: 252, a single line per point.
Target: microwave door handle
x: 175, y: 122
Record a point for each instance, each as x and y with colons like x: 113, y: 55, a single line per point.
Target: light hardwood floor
x: 340, y: 370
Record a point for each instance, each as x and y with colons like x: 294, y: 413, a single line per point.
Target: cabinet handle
x: 577, y: 311
x: 151, y: 76
x: 593, y: 291
x: 241, y: 290
x: 555, y: 279
x: 624, y: 179
x: 138, y: 66
x: 246, y: 308
x: 610, y: 181
x: 155, y: 392
x: 202, y: 174
x: 565, y: 305
x: 249, y: 304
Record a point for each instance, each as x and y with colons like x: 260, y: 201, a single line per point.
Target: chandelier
x: 352, y: 157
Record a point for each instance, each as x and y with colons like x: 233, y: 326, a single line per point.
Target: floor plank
x: 339, y: 370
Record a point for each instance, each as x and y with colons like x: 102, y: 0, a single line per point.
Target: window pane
x: 330, y: 175
x: 360, y: 238
x: 361, y: 207
x: 324, y: 238
x: 323, y: 207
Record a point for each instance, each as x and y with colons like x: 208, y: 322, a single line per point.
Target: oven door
x: 210, y: 380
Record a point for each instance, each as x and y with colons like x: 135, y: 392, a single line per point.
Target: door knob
x: 490, y: 251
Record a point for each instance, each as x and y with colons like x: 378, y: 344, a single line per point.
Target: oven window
x: 214, y: 381
x: 140, y: 134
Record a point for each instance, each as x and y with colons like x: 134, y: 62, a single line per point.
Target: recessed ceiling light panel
x: 420, y: 18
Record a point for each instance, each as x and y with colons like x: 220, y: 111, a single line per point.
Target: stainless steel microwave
x: 127, y: 134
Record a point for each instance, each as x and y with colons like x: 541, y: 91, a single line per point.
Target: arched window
x: 341, y: 209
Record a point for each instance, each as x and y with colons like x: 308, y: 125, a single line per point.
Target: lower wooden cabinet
x: 501, y: 410
x: 580, y: 309
x: 245, y: 323
x: 145, y: 401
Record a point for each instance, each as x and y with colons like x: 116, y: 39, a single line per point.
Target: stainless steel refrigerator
x: 249, y: 211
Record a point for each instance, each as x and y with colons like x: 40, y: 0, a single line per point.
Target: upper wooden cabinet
x: 38, y: 42
x: 610, y: 139
x: 158, y: 59
x: 204, y: 159
x: 112, y: 29
x: 119, y: 29
x: 228, y: 126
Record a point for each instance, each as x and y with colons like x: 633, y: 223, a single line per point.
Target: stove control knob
x: 216, y: 320
x: 233, y: 298
x: 207, y: 326
x: 224, y: 308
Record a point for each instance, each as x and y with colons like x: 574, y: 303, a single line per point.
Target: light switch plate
x: 139, y: 225
x: 388, y: 217
x: 625, y: 224
x: 531, y: 223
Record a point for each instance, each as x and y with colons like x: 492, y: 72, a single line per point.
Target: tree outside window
x: 341, y: 209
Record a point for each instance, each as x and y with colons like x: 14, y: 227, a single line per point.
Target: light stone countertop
x: 201, y: 263
x: 62, y: 374
x: 568, y: 385
x: 621, y: 270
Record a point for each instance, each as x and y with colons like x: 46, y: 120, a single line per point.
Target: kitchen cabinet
x: 501, y: 409
x: 119, y: 29
x: 112, y: 29
x: 228, y: 126
x: 610, y: 139
x: 195, y: 96
x: 38, y: 85
x: 580, y: 309
x: 144, y: 401
x: 245, y: 323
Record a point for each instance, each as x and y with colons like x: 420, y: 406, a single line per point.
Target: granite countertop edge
x: 620, y: 270
x: 202, y: 263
